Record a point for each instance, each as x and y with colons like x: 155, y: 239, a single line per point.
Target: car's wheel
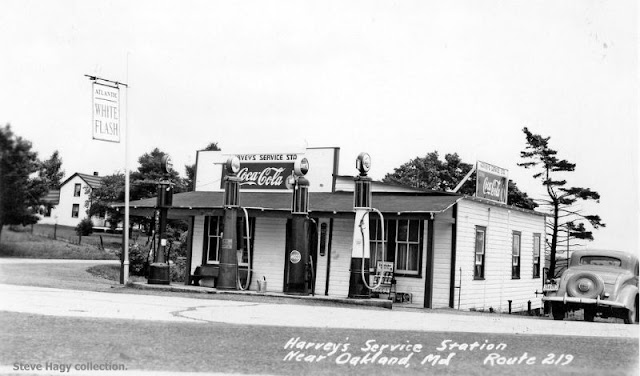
x: 585, y: 285
x: 631, y: 316
x: 589, y: 314
x: 557, y: 311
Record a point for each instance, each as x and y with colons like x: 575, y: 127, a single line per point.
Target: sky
x: 397, y: 79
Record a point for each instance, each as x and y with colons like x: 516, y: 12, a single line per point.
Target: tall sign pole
x: 106, y: 126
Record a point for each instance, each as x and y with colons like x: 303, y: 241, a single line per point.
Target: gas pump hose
x: 364, y: 280
x: 243, y: 288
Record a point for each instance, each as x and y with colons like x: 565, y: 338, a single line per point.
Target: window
x: 76, y: 190
x: 478, y: 268
x: 515, y: 255
x: 536, y: 255
x: 75, y: 210
x: 324, y: 241
x: 407, y: 246
x: 601, y: 260
x: 246, y: 238
x: 402, y: 241
x: 212, y: 237
x: 377, y: 241
x: 214, y: 228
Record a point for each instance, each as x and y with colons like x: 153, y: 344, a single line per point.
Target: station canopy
x: 279, y: 204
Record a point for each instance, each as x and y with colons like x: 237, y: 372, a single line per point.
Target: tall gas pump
x: 360, y: 252
x: 228, y: 275
x: 159, y: 269
x: 297, y: 257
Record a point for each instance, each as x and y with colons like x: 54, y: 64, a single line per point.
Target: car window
x: 600, y: 260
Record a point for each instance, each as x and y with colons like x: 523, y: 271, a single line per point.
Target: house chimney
x: 95, y: 173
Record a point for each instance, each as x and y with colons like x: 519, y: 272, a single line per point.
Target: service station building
x: 442, y: 249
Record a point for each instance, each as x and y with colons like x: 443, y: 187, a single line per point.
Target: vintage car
x: 600, y: 282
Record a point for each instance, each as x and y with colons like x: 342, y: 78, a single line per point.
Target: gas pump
x: 360, y: 252
x: 298, y: 261
x: 228, y: 275
x: 230, y: 252
x: 159, y: 269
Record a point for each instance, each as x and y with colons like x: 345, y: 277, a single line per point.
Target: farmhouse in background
x: 69, y: 207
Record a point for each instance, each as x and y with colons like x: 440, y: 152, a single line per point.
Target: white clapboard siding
x: 442, y: 230
x: 497, y: 288
x: 269, y: 253
x: 340, y: 257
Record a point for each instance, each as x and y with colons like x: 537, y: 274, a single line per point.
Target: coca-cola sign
x: 263, y: 175
x: 492, y: 182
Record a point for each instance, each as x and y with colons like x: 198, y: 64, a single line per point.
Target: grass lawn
x: 97, y: 239
x: 112, y: 273
x: 24, y: 244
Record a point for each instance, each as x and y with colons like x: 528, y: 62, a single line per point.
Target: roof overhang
x: 279, y: 204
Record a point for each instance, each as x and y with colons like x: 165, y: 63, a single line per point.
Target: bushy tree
x: 84, y: 227
x: 102, y: 197
x: 20, y: 194
x: 429, y: 172
x: 567, y: 223
x: 50, y: 171
x: 144, y: 182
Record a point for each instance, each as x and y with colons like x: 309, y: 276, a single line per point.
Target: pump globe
x: 301, y: 167
x: 232, y: 166
x: 290, y: 182
x: 363, y: 163
x: 167, y: 164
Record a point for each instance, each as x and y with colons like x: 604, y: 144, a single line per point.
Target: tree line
x: 25, y: 181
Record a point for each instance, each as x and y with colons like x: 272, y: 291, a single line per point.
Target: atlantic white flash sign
x: 106, y: 113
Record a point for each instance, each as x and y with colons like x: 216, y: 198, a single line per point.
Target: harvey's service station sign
x: 492, y: 182
x: 264, y: 171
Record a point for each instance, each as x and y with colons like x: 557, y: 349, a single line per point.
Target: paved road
x: 143, y: 333
x: 176, y: 334
x: 72, y: 303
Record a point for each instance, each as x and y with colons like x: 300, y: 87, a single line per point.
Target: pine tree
x: 567, y: 222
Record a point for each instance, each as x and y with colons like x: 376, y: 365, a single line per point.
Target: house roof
x: 381, y: 186
x: 510, y: 207
x: 93, y: 181
x: 339, y: 202
x: 52, y: 197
